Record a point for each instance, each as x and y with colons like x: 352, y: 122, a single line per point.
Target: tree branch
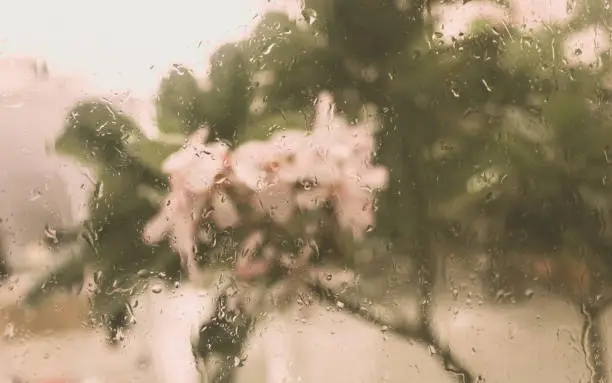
x: 224, y: 337
x: 396, y: 323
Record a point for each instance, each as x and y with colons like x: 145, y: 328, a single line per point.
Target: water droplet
x: 143, y: 273
x: 578, y: 52
x: 179, y: 69
x: 310, y: 15
x: 90, y: 238
x: 99, y: 191
x: 239, y: 361
x: 308, y: 184
x: 455, y: 293
x: 156, y: 289
x: 529, y: 293
x: 51, y: 235
x: 177, y: 284
x: 97, y: 277
x: 269, y: 49
x: 486, y: 85
x: 9, y: 331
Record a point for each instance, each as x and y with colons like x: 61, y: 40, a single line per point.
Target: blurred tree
x: 496, y: 142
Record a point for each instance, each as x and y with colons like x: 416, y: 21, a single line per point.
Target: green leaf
x: 178, y: 103
x: 67, y: 274
x: 152, y: 153
x: 96, y: 133
x: 226, y: 105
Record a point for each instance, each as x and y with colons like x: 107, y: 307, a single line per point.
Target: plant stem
x: 224, y: 336
x: 420, y: 332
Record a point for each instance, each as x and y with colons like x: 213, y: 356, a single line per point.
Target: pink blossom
x: 331, y: 164
x: 196, y: 180
x: 338, y: 163
x: 266, y: 168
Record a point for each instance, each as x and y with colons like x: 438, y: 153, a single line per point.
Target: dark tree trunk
x: 428, y: 264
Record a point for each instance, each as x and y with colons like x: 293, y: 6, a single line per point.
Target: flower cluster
x: 293, y: 171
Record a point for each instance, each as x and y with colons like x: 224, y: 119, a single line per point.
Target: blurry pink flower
x: 334, y: 139
x: 337, y: 167
x: 177, y: 218
x: 266, y: 168
x: 334, y: 163
x: 196, y: 181
x: 333, y: 145
x: 225, y: 213
x: 352, y: 198
x: 258, y: 164
x: 198, y: 166
x: 247, y: 266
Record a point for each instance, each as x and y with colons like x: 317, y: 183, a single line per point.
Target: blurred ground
x: 537, y: 342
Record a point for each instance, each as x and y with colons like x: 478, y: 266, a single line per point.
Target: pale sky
x: 129, y: 44
x: 123, y: 44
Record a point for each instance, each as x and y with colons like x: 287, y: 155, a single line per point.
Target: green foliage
x: 125, y: 164
x: 230, y: 95
x: 183, y: 106
x: 179, y: 108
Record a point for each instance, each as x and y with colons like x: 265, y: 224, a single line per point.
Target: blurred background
x: 496, y: 130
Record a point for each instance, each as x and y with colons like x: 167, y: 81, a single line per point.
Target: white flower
x: 266, y: 168
x: 336, y: 140
x: 201, y: 169
x: 338, y: 163
x: 249, y: 165
x: 333, y: 164
x: 196, y: 180
x: 333, y: 145
x: 258, y: 164
x: 225, y: 213
x: 177, y: 218
x: 198, y: 165
x: 352, y: 197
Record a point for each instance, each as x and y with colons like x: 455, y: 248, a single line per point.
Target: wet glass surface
x: 305, y: 191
